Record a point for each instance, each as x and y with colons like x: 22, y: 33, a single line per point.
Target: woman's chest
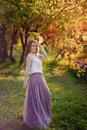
x: 36, y: 61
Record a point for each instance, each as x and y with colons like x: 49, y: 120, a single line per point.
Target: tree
x: 53, y: 19
x: 3, y: 44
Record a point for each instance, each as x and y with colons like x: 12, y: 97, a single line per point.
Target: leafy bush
x: 79, y: 69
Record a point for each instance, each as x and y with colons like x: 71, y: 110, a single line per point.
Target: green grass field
x: 69, y: 97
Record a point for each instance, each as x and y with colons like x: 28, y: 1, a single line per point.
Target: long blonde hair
x: 27, y: 51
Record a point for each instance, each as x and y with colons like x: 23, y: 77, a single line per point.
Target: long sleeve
x: 43, y: 54
x: 27, y: 69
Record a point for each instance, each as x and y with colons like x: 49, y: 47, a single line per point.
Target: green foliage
x: 38, y: 15
x: 69, y: 104
x: 79, y: 69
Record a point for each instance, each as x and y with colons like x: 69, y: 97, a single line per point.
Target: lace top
x: 33, y: 64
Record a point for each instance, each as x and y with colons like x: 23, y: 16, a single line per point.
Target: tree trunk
x: 24, y: 43
x: 23, y: 48
x: 3, y: 44
x: 12, y: 45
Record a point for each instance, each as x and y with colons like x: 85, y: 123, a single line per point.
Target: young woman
x: 37, y: 105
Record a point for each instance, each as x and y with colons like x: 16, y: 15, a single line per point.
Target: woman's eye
x: 34, y: 46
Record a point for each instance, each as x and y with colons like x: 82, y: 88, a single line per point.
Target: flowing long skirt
x: 37, y: 105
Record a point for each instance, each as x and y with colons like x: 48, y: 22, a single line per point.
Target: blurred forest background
x: 61, y: 25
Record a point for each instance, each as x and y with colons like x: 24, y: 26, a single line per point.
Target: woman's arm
x: 27, y: 71
x: 43, y: 54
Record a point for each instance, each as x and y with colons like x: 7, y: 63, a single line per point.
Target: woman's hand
x: 24, y: 87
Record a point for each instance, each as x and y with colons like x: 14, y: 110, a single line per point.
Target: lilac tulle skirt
x: 37, y: 105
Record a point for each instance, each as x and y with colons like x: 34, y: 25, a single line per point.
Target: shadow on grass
x: 13, y: 126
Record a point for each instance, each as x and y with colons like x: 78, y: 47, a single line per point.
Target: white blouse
x: 33, y: 64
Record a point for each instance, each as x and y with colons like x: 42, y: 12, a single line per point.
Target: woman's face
x: 34, y: 47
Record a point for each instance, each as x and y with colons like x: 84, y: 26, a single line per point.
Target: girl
x: 37, y: 105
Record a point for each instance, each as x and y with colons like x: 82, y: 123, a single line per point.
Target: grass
x: 69, y: 97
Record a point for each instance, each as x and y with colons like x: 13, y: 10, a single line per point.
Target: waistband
x: 36, y: 73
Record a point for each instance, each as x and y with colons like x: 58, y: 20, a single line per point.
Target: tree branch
x: 63, y: 9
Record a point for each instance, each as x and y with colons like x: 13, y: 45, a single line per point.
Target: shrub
x: 79, y: 68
